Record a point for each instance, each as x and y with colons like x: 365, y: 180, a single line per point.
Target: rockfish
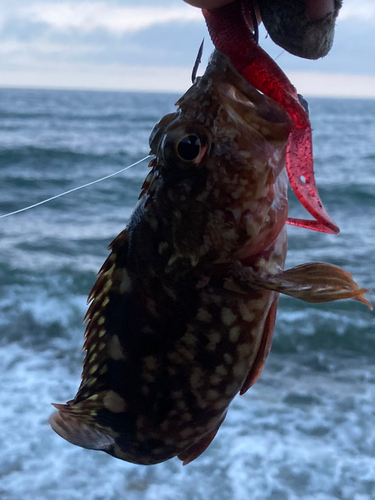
x: 182, y: 314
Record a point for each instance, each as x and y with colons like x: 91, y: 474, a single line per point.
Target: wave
x: 37, y: 307
x: 29, y: 155
x: 335, y: 327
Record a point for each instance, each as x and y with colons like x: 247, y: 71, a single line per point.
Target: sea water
x: 305, y: 431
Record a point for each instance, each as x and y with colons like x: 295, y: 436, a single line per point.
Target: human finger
x: 208, y: 4
x: 304, y: 28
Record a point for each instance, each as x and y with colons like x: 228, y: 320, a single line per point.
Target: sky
x: 151, y: 45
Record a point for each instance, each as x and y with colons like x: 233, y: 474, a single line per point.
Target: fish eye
x: 185, y: 147
x: 189, y: 147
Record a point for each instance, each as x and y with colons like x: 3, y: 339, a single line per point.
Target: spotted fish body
x: 182, y: 314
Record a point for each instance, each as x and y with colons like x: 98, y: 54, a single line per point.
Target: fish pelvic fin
x: 264, y: 348
x: 314, y: 282
x: 73, y: 428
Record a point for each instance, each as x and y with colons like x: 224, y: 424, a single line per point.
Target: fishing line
x: 74, y: 189
x: 281, y: 53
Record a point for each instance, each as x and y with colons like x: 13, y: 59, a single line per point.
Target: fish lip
x: 232, y: 84
x: 222, y: 79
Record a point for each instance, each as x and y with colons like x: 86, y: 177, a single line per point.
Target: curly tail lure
x: 231, y: 33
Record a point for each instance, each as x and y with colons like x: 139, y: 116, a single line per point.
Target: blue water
x: 305, y: 431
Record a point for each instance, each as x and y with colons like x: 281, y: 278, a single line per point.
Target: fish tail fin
x: 71, y: 426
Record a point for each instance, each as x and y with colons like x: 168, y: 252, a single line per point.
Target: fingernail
x: 317, y: 9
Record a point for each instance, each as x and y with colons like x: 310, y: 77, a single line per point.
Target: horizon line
x: 174, y: 80
x: 157, y: 91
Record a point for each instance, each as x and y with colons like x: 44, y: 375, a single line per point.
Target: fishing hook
x: 197, y: 62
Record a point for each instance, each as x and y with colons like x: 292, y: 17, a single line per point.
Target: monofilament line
x: 74, y: 189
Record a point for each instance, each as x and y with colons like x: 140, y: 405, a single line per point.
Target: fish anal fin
x: 264, y: 349
x: 72, y: 428
x: 195, y: 450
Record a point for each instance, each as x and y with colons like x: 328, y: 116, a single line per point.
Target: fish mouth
x: 242, y: 100
x: 299, y: 157
x: 260, y: 128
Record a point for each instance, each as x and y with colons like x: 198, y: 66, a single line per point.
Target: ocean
x: 305, y: 431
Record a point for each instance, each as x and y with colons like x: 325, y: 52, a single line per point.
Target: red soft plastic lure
x: 231, y: 33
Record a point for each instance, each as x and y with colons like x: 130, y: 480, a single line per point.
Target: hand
x: 304, y: 28
x: 208, y: 4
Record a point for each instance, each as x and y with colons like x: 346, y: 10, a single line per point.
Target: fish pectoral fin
x: 72, y: 428
x: 314, y: 282
x: 318, y: 282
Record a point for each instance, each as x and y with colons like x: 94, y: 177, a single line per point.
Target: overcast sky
x: 152, y: 44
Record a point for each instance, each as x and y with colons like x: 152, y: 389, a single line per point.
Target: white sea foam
x: 290, y: 437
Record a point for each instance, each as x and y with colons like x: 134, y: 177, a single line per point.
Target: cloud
x: 358, y: 10
x: 333, y: 84
x: 90, y: 76
x: 168, y: 79
x: 100, y: 32
x: 116, y: 43
x: 90, y: 16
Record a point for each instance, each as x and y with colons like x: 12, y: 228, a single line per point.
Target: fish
x: 230, y: 28
x: 182, y: 314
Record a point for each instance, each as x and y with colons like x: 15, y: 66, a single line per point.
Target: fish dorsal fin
x: 77, y: 421
x: 112, y: 278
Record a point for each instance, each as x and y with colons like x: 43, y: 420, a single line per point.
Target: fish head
x: 220, y: 159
